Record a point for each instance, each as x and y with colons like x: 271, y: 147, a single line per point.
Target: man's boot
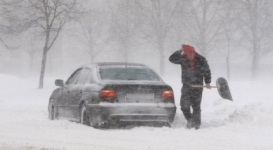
x: 189, y: 124
x: 197, y: 126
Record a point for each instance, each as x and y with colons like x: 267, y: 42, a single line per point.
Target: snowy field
x: 245, y: 124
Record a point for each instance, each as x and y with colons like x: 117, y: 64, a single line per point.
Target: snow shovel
x: 222, y: 86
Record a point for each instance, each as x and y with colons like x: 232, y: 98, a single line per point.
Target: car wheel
x: 51, y: 113
x: 84, y: 116
x: 167, y: 124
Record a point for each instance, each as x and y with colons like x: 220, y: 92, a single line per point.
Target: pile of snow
x: 246, y: 123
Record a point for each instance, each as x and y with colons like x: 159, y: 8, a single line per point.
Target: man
x: 195, y: 70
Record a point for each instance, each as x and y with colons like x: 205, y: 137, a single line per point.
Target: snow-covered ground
x: 246, y: 123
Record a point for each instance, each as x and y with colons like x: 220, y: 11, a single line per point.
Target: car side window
x: 89, y: 77
x: 83, y: 76
x: 73, y: 78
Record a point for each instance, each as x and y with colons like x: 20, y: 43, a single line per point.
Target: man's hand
x: 208, y: 86
x: 182, y: 47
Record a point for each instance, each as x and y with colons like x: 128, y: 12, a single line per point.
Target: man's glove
x: 208, y: 86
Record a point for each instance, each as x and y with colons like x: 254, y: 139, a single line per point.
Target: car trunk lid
x: 138, y: 93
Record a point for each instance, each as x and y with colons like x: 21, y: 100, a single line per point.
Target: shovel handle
x: 203, y: 86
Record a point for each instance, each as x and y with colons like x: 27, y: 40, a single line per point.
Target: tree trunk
x: 42, y: 74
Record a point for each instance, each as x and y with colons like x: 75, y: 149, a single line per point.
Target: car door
x: 77, y: 92
x: 65, y: 103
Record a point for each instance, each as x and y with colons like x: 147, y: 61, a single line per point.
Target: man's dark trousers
x: 191, y: 98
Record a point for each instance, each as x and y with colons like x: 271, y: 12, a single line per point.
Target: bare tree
x: 124, y: 23
x: 204, y: 24
x: 253, y: 19
x: 157, y: 20
x: 95, y: 30
x: 31, y: 39
x: 229, y: 25
x: 49, y: 16
x: 10, y: 14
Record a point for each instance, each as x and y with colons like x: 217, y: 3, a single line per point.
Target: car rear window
x: 127, y: 73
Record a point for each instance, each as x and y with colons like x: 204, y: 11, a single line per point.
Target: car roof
x: 103, y: 64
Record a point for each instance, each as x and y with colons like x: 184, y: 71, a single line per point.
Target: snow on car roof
x: 119, y: 64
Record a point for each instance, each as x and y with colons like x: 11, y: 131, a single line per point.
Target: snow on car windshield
x: 127, y: 73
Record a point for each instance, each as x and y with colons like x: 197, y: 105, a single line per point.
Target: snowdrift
x: 246, y: 123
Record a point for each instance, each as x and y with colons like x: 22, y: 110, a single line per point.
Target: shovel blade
x: 223, y: 89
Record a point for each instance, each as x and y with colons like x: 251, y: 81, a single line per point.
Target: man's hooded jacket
x: 195, y: 71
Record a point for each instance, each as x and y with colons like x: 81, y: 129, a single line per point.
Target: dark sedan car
x: 113, y: 93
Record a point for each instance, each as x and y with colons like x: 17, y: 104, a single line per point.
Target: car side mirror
x: 59, y: 82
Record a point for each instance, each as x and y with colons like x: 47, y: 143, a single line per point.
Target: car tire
x: 84, y: 118
x: 52, y: 113
x: 167, y: 124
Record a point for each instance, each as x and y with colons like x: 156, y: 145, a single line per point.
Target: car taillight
x: 168, y: 96
x: 108, y: 94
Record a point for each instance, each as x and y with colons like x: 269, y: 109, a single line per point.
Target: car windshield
x: 127, y: 73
